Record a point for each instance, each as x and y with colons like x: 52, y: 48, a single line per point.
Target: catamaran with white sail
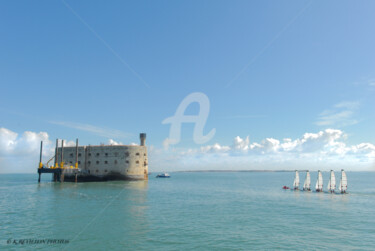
x: 332, y: 182
x: 343, y: 182
x: 319, y: 182
x: 296, y: 181
x: 306, y: 185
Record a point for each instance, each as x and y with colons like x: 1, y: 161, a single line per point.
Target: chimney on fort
x: 143, y: 138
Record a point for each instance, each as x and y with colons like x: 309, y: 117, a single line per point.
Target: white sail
x: 296, y: 181
x: 306, y: 185
x: 343, y: 181
x: 332, y: 182
x: 319, y: 182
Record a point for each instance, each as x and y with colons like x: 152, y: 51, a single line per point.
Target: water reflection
x: 81, y: 212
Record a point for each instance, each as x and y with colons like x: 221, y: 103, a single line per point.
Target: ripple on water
x: 190, y: 211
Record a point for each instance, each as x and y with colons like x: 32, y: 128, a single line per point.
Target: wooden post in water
x: 41, y: 151
x: 56, y: 157
x: 40, y: 160
x: 62, y: 154
x: 75, y: 176
x: 76, y: 154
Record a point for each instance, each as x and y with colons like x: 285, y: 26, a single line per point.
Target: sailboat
x: 332, y: 182
x: 306, y: 185
x: 296, y: 181
x: 319, y: 182
x: 343, y: 182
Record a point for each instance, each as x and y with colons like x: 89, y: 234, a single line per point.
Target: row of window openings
x: 104, y: 171
x: 106, y: 154
x: 105, y: 162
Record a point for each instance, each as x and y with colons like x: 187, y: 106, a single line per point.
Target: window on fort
x: 97, y: 154
x: 127, y: 162
x: 105, y: 170
x: 137, y: 154
x: 116, y: 161
x: 144, y: 154
x: 89, y: 171
x: 144, y: 164
x: 106, y: 154
x: 105, y: 162
x: 71, y: 155
x: 89, y: 154
x: 126, y: 154
x: 97, y: 162
x: 79, y: 162
x: 97, y: 170
x: 116, y: 154
x: 137, y: 162
x: 89, y: 162
x: 79, y: 155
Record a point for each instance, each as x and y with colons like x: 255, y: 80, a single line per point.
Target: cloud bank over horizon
x: 325, y: 150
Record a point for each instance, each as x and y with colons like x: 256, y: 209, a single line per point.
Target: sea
x: 189, y: 211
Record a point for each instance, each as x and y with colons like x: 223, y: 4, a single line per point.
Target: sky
x: 289, y: 84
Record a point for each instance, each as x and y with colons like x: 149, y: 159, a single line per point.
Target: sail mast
x: 296, y: 181
x: 319, y: 182
x: 343, y: 182
x: 306, y: 185
x: 332, y: 182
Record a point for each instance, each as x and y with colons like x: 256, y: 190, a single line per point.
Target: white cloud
x: 13, y: 144
x: 215, y: 148
x: 326, y: 149
x: 20, y: 153
x: 114, y: 143
x: 340, y: 114
x: 323, y: 149
x: 241, y: 144
x: 7, y: 141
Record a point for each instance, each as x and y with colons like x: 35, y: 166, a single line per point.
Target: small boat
x: 306, y: 185
x: 285, y: 187
x: 332, y: 182
x: 319, y: 182
x: 296, y: 181
x: 343, y: 182
x: 163, y: 175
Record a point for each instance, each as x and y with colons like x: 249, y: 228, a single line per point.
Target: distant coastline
x: 235, y: 171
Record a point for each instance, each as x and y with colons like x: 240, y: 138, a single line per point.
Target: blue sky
x: 104, y: 70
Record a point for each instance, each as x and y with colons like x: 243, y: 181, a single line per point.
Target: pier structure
x: 58, y: 171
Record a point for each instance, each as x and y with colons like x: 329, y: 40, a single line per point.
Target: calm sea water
x: 200, y: 211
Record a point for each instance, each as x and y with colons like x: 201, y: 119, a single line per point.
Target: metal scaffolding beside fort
x: 97, y: 163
